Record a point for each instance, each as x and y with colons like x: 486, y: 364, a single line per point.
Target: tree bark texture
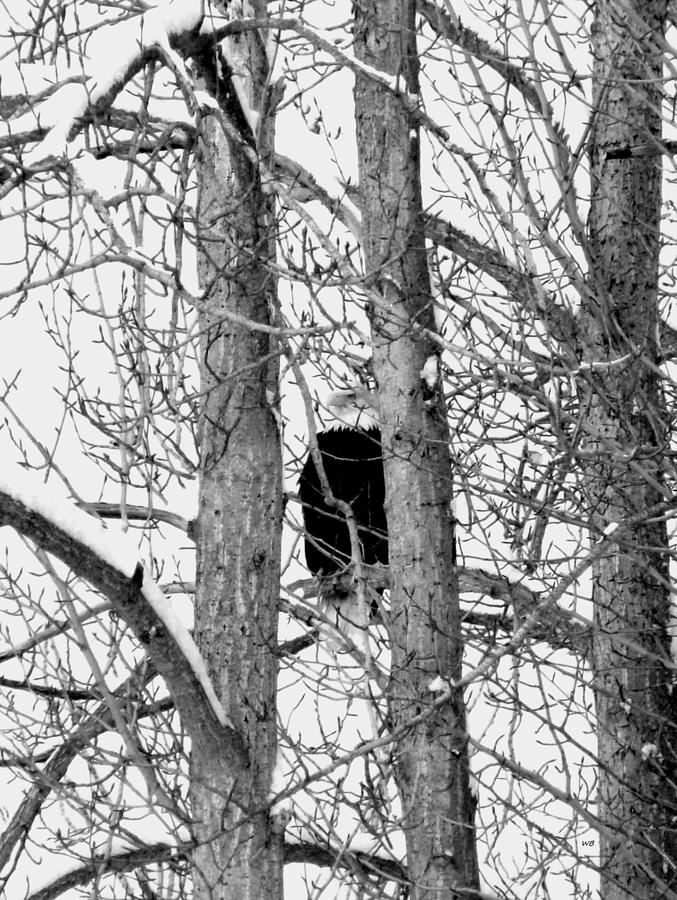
x: 240, y: 511
x: 431, y: 761
x: 626, y: 437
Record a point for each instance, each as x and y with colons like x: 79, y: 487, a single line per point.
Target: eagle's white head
x: 354, y: 408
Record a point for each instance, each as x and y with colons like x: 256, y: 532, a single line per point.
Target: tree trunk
x: 626, y: 435
x: 240, y: 515
x: 432, y: 765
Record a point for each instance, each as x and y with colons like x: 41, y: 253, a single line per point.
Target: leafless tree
x: 212, y: 212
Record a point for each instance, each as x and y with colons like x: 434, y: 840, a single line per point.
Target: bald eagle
x: 350, y: 447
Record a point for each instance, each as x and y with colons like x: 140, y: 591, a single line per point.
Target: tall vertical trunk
x: 432, y: 766
x: 240, y: 513
x: 626, y: 437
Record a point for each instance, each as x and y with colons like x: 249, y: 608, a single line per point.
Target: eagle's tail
x: 345, y: 622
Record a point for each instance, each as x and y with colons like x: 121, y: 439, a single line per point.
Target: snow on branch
x: 307, y: 185
x: 126, y: 860
x: 106, y: 72
x: 111, y: 545
x: 108, y: 559
x: 370, y: 867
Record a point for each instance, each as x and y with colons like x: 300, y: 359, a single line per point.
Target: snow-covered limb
x: 109, y: 560
x: 112, y: 544
x: 119, y: 860
x: 175, y: 16
x: 311, y: 851
x: 184, y: 639
x: 104, y: 70
x: 306, y: 185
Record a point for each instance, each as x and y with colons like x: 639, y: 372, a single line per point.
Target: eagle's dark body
x: 354, y: 468
x: 353, y: 464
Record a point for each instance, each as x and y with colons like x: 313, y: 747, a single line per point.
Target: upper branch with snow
x: 136, y: 40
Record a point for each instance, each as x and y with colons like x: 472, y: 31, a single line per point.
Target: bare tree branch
x: 45, y: 780
x: 125, y: 595
x: 469, y: 41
